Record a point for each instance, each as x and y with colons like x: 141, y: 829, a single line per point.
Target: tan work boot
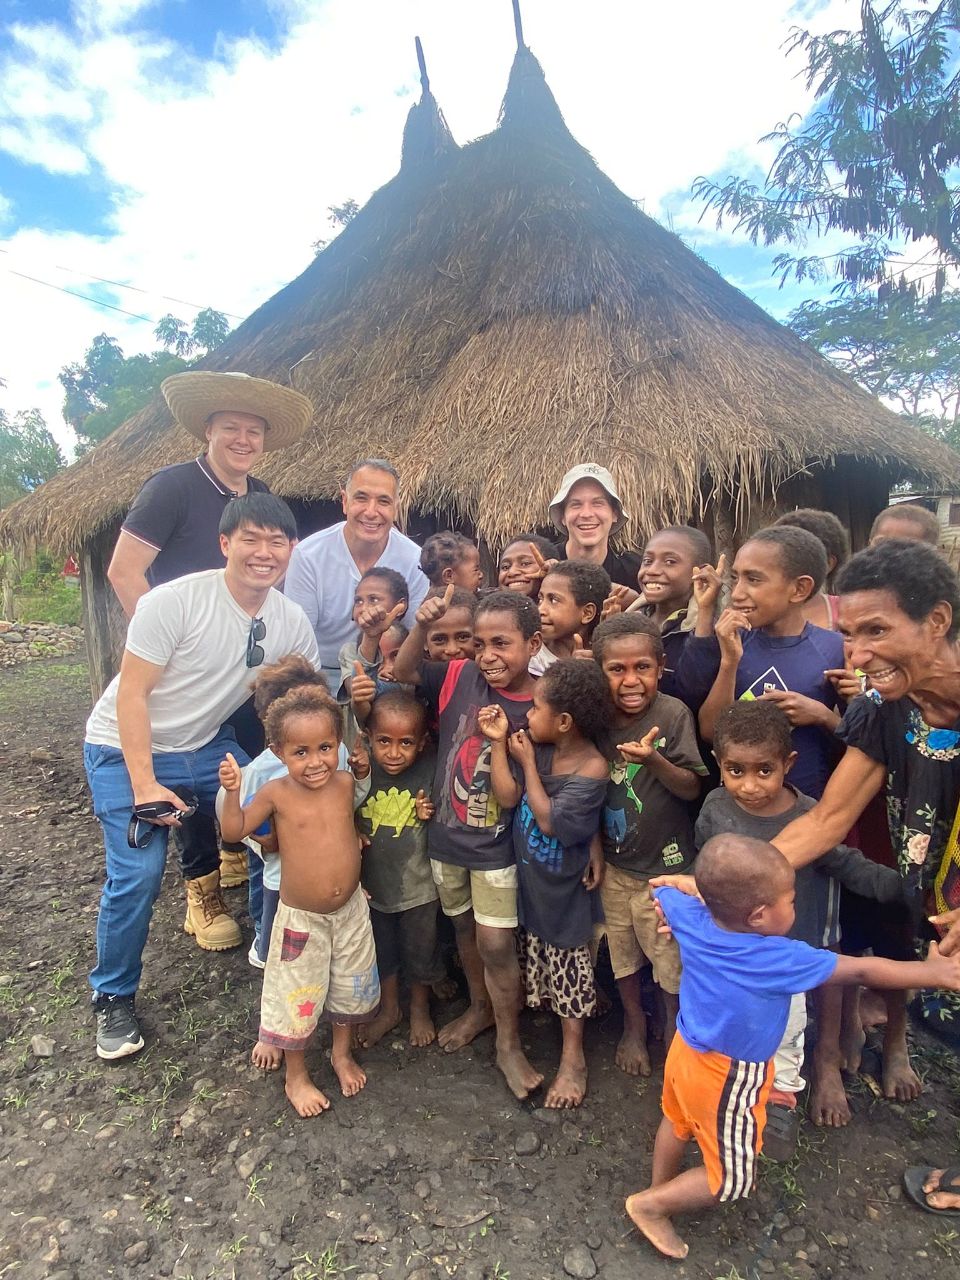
x: 234, y: 869
x: 207, y: 917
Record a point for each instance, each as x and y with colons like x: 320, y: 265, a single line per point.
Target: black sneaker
x: 118, y: 1032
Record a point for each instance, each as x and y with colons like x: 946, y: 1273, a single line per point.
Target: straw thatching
x: 496, y: 313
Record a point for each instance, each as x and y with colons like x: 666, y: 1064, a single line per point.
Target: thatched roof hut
x: 499, y: 311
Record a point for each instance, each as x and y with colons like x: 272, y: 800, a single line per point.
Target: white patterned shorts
x: 318, y: 964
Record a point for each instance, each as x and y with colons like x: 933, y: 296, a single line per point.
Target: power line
x: 84, y: 296
x: 133, y: 288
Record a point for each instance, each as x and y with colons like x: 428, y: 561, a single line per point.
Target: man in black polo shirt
x: 172, y: 529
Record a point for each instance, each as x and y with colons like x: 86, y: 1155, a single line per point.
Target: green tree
x: 338, y: 215
x: 173, y: 334
x: 210, y: 329
x: 28, y: 453
x: 878, y: 155
x: 904, y: 347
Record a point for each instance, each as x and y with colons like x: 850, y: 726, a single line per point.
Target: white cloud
x: 221, y: 172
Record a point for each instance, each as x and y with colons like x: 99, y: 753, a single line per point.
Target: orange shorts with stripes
x: 721, y: 1103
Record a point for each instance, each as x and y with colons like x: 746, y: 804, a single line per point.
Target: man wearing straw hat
x: 172, y: 529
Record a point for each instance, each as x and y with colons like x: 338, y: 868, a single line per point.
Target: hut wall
x: 103, y: 619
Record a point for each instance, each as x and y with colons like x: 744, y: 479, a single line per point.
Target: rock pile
x: 27, y: 641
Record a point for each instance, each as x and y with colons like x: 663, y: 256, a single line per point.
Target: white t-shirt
x: 323, y: 576
x: 196, y: 631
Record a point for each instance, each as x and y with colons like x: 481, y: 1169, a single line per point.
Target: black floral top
x: 923, y: 783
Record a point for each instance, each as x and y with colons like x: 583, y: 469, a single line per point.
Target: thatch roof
x: 496, y: 313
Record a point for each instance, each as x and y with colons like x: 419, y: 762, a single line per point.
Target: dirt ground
x: 185, y: 1161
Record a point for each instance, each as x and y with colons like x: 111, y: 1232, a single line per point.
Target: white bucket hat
x: 192, y: 398
x: 586, y: 471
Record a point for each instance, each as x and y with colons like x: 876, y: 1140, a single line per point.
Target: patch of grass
x: 235, y: 1248
x: 157, y: 1211
x: 948, y: 1242
x: 326, y: 1266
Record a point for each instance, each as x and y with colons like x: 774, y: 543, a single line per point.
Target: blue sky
x: 190, y: 148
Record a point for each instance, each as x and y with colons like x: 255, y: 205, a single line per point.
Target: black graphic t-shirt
x: 395, y: 869
x: 469, y: 828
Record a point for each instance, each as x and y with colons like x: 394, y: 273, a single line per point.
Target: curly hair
x: 301, y: 701
x: 589, y: 583
x: 441, y: 551
x: 580, y: 689
x: 914, y: 573
x: 525, y: 613
x: 753, y: 724
x: 801, y: 554
x: 924, y: 521
x: 395, y: 583
x: 278, y: 678
x: 700, y: 548
x: 402, y: 702
x: 626, y: 624
x: 825, y: 526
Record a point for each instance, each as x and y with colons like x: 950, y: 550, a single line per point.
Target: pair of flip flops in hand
x: 915, y: 1178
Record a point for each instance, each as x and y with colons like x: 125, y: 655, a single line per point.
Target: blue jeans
x: 134, y: 875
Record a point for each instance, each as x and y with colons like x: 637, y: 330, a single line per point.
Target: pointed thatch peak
x: 427, y: 140
x: 529, y: 106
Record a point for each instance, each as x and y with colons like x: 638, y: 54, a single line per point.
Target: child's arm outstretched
x: 898, y: 975
x: 495, y: 727
x: 681, y: 782
x: 410, y: 655
x: 724, y: 691
x: 237, y: 822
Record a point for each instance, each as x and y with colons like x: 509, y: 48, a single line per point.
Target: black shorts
x: 885, y: 928
x: 406, y: 943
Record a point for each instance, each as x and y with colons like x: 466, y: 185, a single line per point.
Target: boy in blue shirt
x: 739, y: 973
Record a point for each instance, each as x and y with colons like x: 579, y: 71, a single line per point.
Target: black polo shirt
x: 622, y: 566
x: 178, y: 512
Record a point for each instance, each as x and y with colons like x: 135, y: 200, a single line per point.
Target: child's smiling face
x: 310, y: 748
x: 503, y: 652
x: 519, y: 570
x: 633, y: 672
x: 451, y: 636
x: 761, y: 590
x: 560, y: 615
x: 396, y: 739
x: 373, y: 593
x: 666, y: 570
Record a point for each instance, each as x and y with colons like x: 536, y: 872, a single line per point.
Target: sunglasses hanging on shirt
x: 254, y: 649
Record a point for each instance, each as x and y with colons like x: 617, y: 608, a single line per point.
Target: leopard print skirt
x: 561, y: 977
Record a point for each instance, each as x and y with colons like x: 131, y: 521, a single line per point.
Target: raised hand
x: 230, y: 776
x: 729, y: 626
x: 359, y: 760
x: 424, y: 806
x: 707, y: 581
x: 434, y: 607
x: 493, y: 723
x: 579, y: 649
x: 521, y: 748
x: 543, y: 566
x: 363, y: 688
x: 639, y: 752
x: 374, y: 620
x: 846, y: 682
x: 616, y: 601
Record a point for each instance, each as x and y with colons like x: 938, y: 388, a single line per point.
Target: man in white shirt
x: 191, y: 654
x: 326, y: 567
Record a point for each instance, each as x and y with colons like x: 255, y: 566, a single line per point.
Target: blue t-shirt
x: 792, y: 663
x: 735, y: 988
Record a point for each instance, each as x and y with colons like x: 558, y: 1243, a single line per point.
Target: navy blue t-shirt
x: 735, y: 988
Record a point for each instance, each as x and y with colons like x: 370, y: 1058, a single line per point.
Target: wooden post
x: 103, y: 621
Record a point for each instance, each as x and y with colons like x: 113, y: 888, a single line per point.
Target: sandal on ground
x: 781, y: 1132
x: 917, y: 1175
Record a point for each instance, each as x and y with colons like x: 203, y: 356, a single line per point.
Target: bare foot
x: 940, y: 1199
x: 658, y: 1229
x: 521, y: 1077
x: 465, y: 1028
x: 266, y: 1056
x: 422, y: 1030
x: 351, y: 1075
x: 568, y: 1089
x: 632, y: 1056
x: 900, y: 1081
x: 828, y: 1099
x: 306, y: 1098
x: 444, y: 988
x: 370, y: 1033
x: 852, y: 1040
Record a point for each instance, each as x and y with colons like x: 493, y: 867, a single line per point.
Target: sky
x: 189, y: 149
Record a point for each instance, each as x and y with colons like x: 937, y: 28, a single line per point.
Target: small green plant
x: 157, y: 1211
x: 326, y: 1266
x: 254, y: 1183
x: 500, y: 1272
x: 16, y: 1101
x: 948, y: 1242
x: 234, y: 1249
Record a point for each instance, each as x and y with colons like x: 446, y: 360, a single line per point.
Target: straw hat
x: 585, y: 471
x: 192, y: 398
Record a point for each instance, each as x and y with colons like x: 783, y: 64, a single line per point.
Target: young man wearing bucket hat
x: 172, y: 530
x: 587, y: 508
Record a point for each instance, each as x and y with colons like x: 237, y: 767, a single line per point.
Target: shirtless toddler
x: 322, y: 957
